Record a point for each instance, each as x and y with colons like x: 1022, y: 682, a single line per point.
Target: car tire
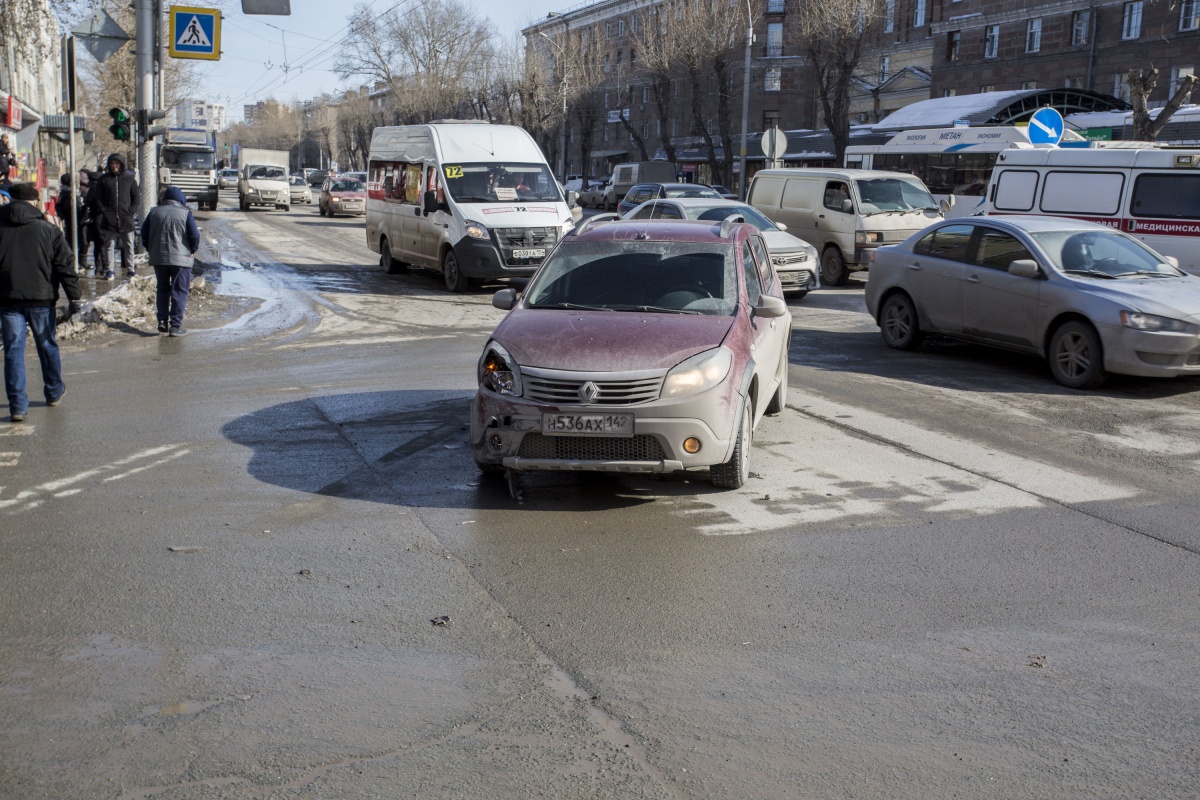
x: 779, y: 399
x: 390, y: 265
x: 734, y: 473
x: 455, y: 280
x: 1077, y: 356
x: 833, y: 267
x: 242, y: 204
x: 320, y: 210
x: 800, y: 295
x: 898, y: 323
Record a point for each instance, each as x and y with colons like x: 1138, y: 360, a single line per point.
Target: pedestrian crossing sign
x: 195, y: 32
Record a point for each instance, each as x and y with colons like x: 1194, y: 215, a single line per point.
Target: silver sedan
x: 1088, y: 298
x: 298, y: 190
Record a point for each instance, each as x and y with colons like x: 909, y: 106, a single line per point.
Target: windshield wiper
x: 572, y: 306
x: 660, y: 309
x: 1094, y: 273
x: 1148, y: 273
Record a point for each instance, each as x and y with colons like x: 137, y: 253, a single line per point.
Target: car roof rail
x: 596, y: 220
x: 728, y: 223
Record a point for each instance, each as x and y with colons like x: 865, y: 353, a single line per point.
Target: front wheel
x: 1076, y: 356
x: 898, y: 323
x: 734, y: 473
x: 779, y: 399
x: 833, y: 267
x: 455, y: 280
x: 242, y: 204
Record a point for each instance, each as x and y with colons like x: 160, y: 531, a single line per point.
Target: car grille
x: 591, y: 448
x: 788, y: 258
x: 511, y: 239
x: 565, y: 391
x: 1193, y: 360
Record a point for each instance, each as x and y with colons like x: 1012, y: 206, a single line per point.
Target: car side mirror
x: 770, y: 307
x: 572, y: 198
x: 946, y: 204
x: 1025, y: 268
x: 781, y: 226
x: 847, y: 206
x: 429, y: 202
x: 504, y: 299
x: 1172, y: 260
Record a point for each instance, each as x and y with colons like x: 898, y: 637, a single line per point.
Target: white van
x: 626, y: 175
x: 1152, y: 193
x: 470, y: 199
x: 844, y: 213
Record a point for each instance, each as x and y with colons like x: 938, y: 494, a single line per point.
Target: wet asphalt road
x: 223, y: 556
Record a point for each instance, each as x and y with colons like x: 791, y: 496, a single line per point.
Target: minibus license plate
x: 587, y: 424
x: 538, y: 253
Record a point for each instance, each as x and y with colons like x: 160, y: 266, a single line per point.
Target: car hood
x: 783, y: 242
x: 607, y: 341
x: 1168, y: 297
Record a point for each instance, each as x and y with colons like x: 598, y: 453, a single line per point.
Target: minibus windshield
x: 499, y: 182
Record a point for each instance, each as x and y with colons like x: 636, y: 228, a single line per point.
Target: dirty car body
x: 638, y: 347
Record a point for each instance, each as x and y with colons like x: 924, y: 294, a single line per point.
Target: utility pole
x: 144, y: 100
x: 745, y: 103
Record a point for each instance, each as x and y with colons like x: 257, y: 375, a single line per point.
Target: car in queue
x: 1089, y: 299
x: 642, y: 192
x: 227, y: 179
x: 298, y: 190
x: 636, y: 348
x: 316, y: 178
x: 341, y: 195
x: 598, y: 194
x: 795, y: 260
x: 724, y: 191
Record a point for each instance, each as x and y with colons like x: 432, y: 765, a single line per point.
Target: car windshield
x: 268, y: 173
x: 492, y: 182
x: 296, y: 180
x: 229, y: 173
x: 884, y: 195
x: 690, y: 191
x: 1102, y: 254
x: 718, y: 213
x: 662, y: 277
x: 345, y: 186
x: 187, y: 159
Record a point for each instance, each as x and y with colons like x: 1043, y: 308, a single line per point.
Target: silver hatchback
x: 1088, y: 298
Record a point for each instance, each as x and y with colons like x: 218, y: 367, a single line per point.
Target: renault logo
x: 589, y: 392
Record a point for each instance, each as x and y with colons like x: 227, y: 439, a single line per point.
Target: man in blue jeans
x: 171, y: 238
x: 35, y: 261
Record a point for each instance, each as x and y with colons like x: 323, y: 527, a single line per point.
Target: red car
x: 637, y: 347
x: 342, y: 195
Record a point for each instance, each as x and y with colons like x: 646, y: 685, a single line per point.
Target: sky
x: 291, y: 58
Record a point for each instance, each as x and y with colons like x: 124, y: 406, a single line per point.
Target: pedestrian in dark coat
x: 7, y: 159
x: 62, y: 208
x: 171, y: 238
x: 35, y: 261
x: 112, y: 201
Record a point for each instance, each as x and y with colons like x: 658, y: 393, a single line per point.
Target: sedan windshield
x: 664, y: 277
x: 1103, y: 254
x: 493, y: 182
x: 296, y: 180
x: 883, y: 195
x: 699, y: 191
x: 345, y: 186
x: 718, y: 213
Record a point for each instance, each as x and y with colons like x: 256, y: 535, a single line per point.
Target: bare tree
x: 835, y: 35
x: 576, y: 57
x: 1141, y: 86
x: 660, y: 64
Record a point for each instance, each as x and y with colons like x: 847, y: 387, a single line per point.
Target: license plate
x: 539, y: 253
x: 587, y: 424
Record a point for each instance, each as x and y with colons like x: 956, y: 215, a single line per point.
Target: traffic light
x: 122, y: 127
x: 145, y: 117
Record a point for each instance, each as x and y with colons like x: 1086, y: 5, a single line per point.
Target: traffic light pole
x: 147, y: 23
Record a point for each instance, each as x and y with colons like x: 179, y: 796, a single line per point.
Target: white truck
x: 263, y: 179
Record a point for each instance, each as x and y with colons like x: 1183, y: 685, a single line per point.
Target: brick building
x: 999, y: 45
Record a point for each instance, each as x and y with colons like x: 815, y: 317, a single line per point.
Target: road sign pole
x: 147, y: 147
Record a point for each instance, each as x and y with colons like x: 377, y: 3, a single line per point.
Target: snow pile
x: 130, y: 304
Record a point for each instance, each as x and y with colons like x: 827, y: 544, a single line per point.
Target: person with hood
x: 171, y: 238
x: 112, y: 201
x: 35, y: 261
x: 62, y: 209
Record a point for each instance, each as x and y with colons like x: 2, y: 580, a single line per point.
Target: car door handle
x: 972, y: 279
x: 915, y: 267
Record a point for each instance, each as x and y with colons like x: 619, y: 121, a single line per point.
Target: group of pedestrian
x: 105, y: 206
x: 36, y: 264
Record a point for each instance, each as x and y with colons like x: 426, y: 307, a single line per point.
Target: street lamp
x: 745, y: 102
x: 562, y: 69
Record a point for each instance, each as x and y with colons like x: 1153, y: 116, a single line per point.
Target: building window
x: 621, y: 26
x: 633, y: 23
x: 608, y: 30
x: 953, y: 43
x: 1033, y: 35
x: 1131, y: 22
x: 1028, y: 85
x: 770, y: 120
x: 645, y: 95
x: 606, y: 99
x: 772, y: 78
x: 1121, y: 86
x: 1081, y: 26
x: 774, y: 6
x: 606, y: 127
x: 949, y: 92
x: 1189, y: 15
x: 987, y: 87
x: 1178, y: 74
x: 919, y: 14
x: 1074, y: 83
x: 632, y: 57
x: 774, y: 39
x: 645, y: 130
x: 607, y: 64
x: 889, y: 16
x: 991, y: 41
x: 884, y: 68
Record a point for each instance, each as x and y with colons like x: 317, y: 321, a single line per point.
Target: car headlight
x: 867, y: 237
x: 498, y: 372
x: 698, y: 373
x: 1152, y: 322
x: 476, y: 231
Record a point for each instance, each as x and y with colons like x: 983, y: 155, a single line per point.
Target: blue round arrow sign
x: 1046, y: 126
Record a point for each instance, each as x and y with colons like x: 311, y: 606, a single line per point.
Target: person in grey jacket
x: 171, y: 238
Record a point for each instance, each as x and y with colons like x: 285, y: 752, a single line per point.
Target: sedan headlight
x: 476, y: 230
x: 498, y: 372
x: 699, y: 373
x: 867, y: 237
x: 1154, y: 323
